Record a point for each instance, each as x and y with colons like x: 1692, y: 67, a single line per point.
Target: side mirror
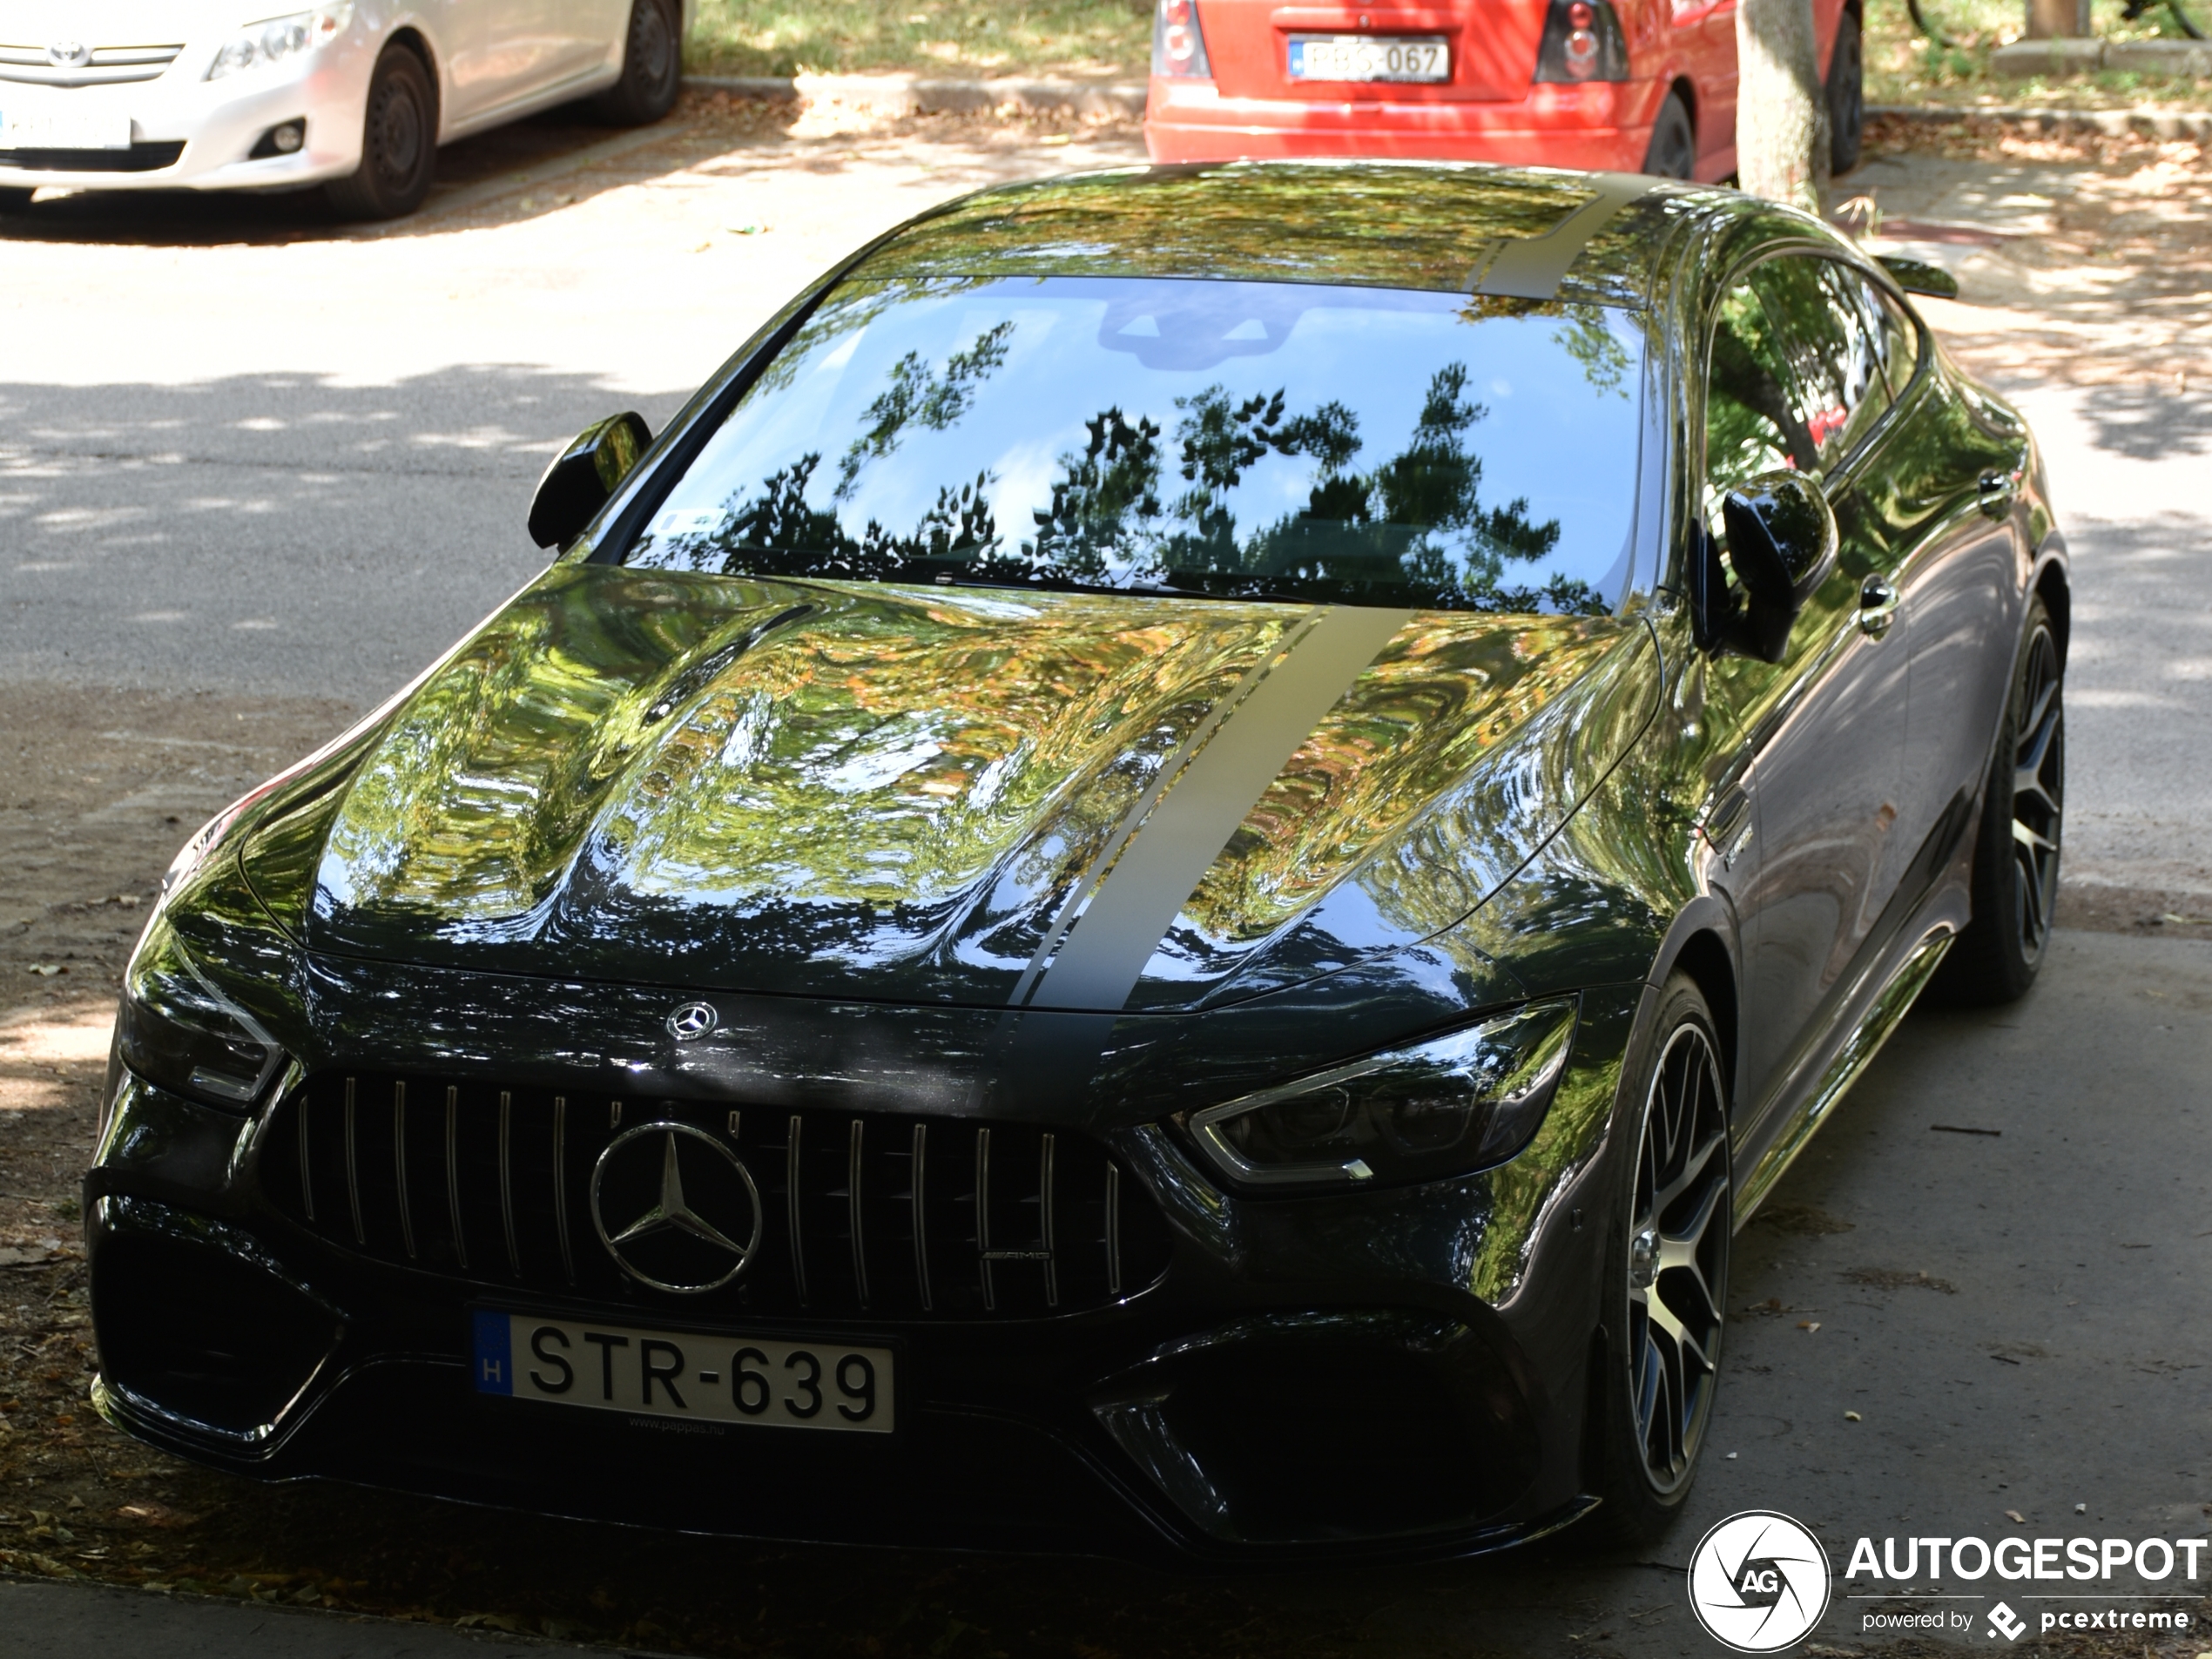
x: 1917, y: 276
x: 1782, y: 541
x: 583, y: 476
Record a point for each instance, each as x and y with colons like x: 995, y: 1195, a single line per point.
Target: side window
x: 1751, y: 421
x: 1900, y: 343
x: 1798, y: 373
x: 1831, y: 332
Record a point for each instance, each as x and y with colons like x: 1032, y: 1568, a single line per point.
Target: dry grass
x: 1083, y: 39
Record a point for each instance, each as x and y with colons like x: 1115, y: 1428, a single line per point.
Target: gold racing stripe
x: 1162, y: 863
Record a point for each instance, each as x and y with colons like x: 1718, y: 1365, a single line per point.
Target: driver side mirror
x: 1782, y: 542
x: 584, y: 475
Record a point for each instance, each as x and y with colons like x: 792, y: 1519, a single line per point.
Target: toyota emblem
x: 672, y: 1202
x: 692, y: 1020
x: 69, y: 54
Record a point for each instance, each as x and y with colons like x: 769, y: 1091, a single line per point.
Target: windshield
x: 1239, y: 439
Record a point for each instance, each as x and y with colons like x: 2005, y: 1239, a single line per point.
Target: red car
x: 1621, y: 85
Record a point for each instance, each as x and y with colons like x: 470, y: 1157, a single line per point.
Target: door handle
x: 1876, y: 606
x: 1996, y: 492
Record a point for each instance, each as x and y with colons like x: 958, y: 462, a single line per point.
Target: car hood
x: 1073, y: 800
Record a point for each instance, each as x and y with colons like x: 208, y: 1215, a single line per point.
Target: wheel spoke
x: 2048, y: 690
x: 1694, y: 1168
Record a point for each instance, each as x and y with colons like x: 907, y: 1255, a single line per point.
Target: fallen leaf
x: 1892, y: 1278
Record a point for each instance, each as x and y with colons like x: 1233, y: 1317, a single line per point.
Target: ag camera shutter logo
x: 1758, y: 1582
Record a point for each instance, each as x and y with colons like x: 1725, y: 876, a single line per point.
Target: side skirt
x: 1890, y: 1006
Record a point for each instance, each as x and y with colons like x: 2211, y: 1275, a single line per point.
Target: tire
x: 14, y: 199
x: 1672, y: 1219
x: 1846, y: 97
x: 653, y: 69
x: 399, y: 142
x: 2016, y: 849
x: 1673, y: 150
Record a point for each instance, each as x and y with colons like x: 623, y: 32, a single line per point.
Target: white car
x: 353, y: 95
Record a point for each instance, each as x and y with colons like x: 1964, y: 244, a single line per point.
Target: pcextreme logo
x: 1758, y: 1582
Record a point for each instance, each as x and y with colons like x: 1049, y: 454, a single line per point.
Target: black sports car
x: 1162, y: 879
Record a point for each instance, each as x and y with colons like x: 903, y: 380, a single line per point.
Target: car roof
x: 1445, y: 227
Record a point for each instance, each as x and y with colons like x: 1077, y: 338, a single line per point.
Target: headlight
x: 180, y: 1032
x: 1435, y: 1108
x: 279, y: 38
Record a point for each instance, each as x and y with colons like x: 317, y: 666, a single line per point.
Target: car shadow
x: 533, y: 166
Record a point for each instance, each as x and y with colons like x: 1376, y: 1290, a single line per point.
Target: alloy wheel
x: 1678, y: 1240
x: 2039, y: 790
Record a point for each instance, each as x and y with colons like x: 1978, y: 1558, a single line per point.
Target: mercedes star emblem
x: 69, y: 54
x: 674, y: 1239
x: 692, y: 1020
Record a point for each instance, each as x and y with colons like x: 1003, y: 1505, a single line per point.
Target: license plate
x: 40, y: 129
x: 1370, y: 57
x: 684, y: 1375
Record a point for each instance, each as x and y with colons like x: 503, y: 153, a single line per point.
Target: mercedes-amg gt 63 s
x: 1161, y: 882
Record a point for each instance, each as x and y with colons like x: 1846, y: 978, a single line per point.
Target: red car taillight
x: 1582, y: 42
x: 1178, y: 44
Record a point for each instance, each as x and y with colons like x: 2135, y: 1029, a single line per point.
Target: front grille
x: 139, y: 158
x: 882, y: 1214
x: 107, y: 66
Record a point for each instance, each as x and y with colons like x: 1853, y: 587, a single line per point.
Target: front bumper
x: 1602, y: 127
x: 1399, y: 1373
x: 188, y: 133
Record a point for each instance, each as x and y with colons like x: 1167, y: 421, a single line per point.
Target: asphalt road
x: 238, y: 453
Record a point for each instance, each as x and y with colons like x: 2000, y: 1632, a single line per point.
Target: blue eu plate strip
x: 495, y: 1361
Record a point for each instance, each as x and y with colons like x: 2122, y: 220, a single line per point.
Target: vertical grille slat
x: 1054, y: 1226
x: 353, y: 1167
x: 506, y: 1180
x: 561, y: 1184
x: 853, y: 1178
x: 1113, y: 1230
x: 1044, y: 1221
x: 919, y: 1208
x: 398, y: 1162
x: 983, y: 1217
x: 794, y: 1204
x: 307, y: 1165
x: 453, y: 1176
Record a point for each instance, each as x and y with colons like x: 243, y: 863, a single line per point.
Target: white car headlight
x: 280, y: 39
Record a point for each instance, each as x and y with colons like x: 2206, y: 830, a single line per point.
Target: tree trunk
x: 1781, y: 112
x: 2051, y: 20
